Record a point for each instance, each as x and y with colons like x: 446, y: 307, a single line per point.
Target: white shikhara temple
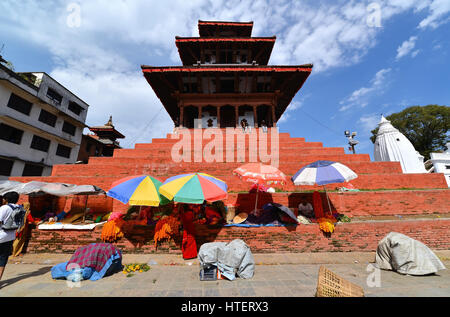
x: 391, y: 145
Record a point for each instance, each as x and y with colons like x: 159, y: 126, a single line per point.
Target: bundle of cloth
x: 90, y: 262
x: 400, y: 253
x: 231, y: 259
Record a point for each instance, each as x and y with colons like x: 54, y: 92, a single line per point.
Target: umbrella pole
x: 85, y: 207
x: 329, y: 206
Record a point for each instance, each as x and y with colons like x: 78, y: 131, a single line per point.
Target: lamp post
x: 351, y: 141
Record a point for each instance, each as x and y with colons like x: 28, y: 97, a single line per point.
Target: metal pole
x: 257, y: 192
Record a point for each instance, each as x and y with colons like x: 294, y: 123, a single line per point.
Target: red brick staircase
x: 384, y: 190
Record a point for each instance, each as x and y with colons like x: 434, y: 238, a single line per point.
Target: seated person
x: 305, y: 209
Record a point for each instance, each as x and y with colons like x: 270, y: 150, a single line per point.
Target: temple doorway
x: 190, y: 113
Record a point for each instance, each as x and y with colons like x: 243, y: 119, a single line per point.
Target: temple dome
x: 392, y: 145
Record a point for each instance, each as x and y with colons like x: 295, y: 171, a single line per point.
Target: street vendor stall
x: 35, y: 189
x: 194, y: 188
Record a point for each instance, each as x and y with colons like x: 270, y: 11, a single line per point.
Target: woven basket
x: 332, y: 285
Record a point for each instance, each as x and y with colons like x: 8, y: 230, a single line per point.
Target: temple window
x: 227, y: 85
x: 226, y: 57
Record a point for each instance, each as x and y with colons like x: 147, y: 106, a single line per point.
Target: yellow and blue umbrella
x: 194, y: 188
x: 140, y: 190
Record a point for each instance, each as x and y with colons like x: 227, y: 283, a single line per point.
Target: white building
x: 41, y: 124
x: 391, y: 145
x: 441, y: 163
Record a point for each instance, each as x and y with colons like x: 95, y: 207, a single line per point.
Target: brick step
x: 352, y: 204
x: 235, y: 144
x: 364, y: 181
x: 283, y: 135
x: 285, y: 157
x: 106, y: 166
x: 348, y: 237
x: 357, y: 204
x: 167, y: 152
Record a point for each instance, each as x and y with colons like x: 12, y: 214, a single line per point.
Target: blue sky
x: 370, y: 57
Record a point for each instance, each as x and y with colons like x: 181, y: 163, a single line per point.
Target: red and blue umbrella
x: 322, y: 173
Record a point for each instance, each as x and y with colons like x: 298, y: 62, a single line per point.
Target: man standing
x: 7, y: 237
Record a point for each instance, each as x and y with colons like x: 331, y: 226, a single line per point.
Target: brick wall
x: 363, y: 236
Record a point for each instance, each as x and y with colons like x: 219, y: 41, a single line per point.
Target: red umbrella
x: 258, y: 173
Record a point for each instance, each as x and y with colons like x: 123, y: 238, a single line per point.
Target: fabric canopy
x: 42, y: 188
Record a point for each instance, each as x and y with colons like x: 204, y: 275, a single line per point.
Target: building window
x: 17, y: 103
x: 10, y: 134
x: 40, y: 144
x: 32, y: 170
x: 447, y: 167
x: 63, y: 151
x: 47, y: 118
x: 69, y: 128
x: 227, y: 85
x: 75, y: 108
x: 53, y: 95
x: 6, y: 167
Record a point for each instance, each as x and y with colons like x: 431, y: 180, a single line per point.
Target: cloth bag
x: 231, y: 259
x: 405, y: 255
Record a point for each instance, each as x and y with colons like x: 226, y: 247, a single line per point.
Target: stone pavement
x: 276, y: 275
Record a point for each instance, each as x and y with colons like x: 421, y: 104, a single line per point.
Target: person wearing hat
x: 240, y: 218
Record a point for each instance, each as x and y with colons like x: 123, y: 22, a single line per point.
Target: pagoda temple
x: 225, y: 78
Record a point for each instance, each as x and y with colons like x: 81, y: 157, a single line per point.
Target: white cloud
x: 361, y: 96
x: 407, y: 47
x: 369, y: 122
x: 99, y: 60
x: 440, y: 10
x: 294, y: 105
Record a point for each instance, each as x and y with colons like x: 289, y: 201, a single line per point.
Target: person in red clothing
x: 318, y: 208
x: 188, y: 245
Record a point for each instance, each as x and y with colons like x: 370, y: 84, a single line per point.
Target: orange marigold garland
x: 166, y: 228
x: 115, y: 229
x: 326, y: 224
x: 112, y: 231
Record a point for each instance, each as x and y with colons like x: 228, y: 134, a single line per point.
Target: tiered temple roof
x: 226, y: 66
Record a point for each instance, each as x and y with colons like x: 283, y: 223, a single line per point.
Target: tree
x: 426, y: 127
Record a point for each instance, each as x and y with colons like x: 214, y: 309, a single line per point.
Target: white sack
x: 230, y: 258
x: 405, y: 255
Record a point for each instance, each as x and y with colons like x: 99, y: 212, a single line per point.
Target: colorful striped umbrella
x: 140, y: 190
x: 194, y: 188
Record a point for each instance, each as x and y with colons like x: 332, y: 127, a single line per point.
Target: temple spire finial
x: 109, y: 123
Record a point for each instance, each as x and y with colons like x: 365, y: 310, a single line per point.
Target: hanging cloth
x: 188, y: 246
x: 317, y: 204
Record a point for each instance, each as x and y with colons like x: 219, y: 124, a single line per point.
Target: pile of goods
x: 116, y: 227
x: 129, y: 269
x: 326, y: 223
x: 167, y: 227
